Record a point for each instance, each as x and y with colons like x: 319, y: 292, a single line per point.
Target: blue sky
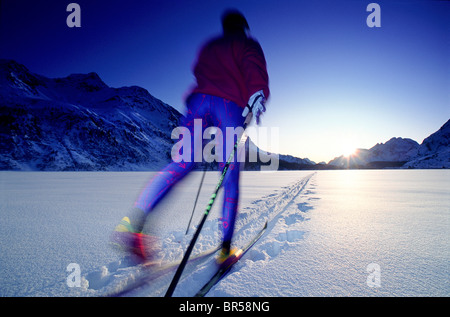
x: 336, y: 83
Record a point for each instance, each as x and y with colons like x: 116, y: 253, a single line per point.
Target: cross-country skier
x: 231, y: 74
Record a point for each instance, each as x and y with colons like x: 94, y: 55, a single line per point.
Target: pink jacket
x: 231, y: 67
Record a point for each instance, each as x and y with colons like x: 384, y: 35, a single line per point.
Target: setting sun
x: 348, y: 150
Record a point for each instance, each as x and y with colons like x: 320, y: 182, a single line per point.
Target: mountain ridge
x: 78, y: 122
x: 434, y: 152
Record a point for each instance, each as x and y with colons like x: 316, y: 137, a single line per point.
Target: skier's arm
x: 255, y: 70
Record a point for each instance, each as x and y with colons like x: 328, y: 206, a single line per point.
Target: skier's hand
x: 255, y: 105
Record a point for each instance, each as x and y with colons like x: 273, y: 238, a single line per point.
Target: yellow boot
x: 225, y: 254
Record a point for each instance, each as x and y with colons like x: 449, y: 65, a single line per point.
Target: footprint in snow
x: 293, y: 218
x: 304, y: 207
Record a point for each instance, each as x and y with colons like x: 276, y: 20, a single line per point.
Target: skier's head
x: 234, y: 22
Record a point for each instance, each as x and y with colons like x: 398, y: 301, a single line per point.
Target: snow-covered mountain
x: 434, y: 152
x: 393, y: 153
x: 79, y: 123
x: 265, y: 160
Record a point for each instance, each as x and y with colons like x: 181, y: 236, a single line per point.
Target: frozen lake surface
x: 330, y: 233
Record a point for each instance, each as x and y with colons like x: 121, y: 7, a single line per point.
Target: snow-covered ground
x: 330, y: 233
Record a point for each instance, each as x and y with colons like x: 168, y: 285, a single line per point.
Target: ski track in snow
x: 284, y: 222
x: 283, y: 211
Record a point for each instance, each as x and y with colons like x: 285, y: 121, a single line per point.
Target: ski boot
x: 140, y: 246
x: 226, y: 256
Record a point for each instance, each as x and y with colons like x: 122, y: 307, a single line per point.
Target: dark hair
x: 234, y: 21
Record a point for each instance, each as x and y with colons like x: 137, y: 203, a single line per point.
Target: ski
x: 227, y: 265
x: 153, y: 270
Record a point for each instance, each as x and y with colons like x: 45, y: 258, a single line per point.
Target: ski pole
x: 183, y: 263
x: 196, y: 198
